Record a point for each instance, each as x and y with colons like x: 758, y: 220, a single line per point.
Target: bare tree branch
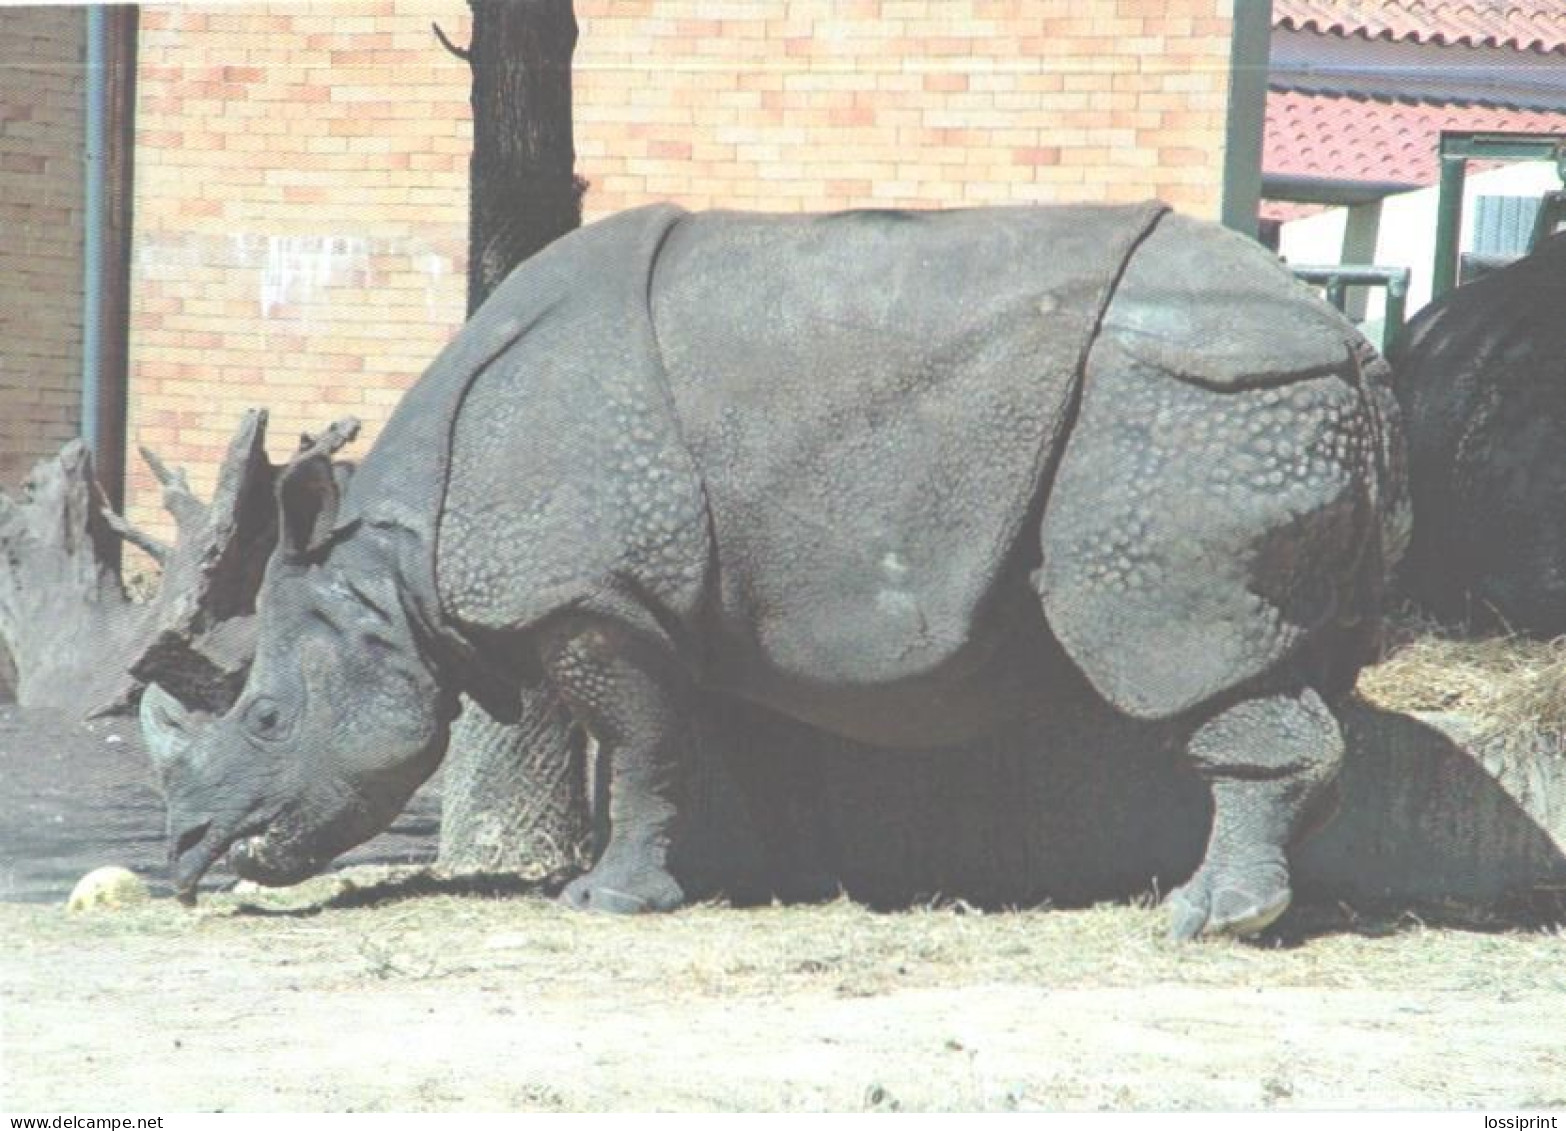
x: 448, y: 44
x: 178, y: 499
x: 157, y: 550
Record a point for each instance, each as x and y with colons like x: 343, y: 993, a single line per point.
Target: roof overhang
x: 1300, y: 189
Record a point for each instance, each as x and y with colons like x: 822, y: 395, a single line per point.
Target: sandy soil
x: 365, y: 997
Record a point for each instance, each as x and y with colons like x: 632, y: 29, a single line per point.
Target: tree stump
x: 66, y: 622
x: 77, y: 643
x: 514, y: 796
x: 197, y: 639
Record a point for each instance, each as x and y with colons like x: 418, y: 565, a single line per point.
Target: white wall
x: 1406, y: 236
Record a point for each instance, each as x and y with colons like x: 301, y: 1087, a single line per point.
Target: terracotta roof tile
x: 1356, y: 137
x: 1524, y: 25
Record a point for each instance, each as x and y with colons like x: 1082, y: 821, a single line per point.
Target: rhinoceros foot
x: 1229, y: 899
x: 626, y: 887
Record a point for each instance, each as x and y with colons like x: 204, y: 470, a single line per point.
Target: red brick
x: 946, y: 81
x: 1037, y: 155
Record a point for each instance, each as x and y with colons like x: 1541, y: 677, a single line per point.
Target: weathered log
x: 66, y: 622
x: 196, y: 638
x: 1437, y: 808
x: 76, y: 642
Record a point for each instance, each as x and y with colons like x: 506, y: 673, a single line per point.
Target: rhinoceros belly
x: 1004, y: 669
x: 872, y: 401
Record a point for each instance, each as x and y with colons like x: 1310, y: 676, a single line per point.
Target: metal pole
x: 92, y: 236
x: 1396, y: 310
x: 108, y: 159
x: 1449, y: 223
x: 1246, y: 123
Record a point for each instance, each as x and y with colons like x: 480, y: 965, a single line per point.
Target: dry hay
x: 1507, y: 684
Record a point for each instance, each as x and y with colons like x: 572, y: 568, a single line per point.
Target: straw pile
x: 1505, y: 683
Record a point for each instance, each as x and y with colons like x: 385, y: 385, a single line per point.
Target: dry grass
x: 1505, y: 683
x: 839, y: 974
x: 404, y: 925
x: 388, y: 992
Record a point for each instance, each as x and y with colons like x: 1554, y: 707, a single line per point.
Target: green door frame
x: 1457, y: 148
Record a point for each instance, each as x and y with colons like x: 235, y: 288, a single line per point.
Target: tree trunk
x: 516, y: 797
x: 513, y: 796
x: 523, y: 191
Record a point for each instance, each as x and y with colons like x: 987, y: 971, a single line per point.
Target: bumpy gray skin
x: 1481, y: 375
x: 883, y: 472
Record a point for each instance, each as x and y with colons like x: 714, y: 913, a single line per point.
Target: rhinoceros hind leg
x: 1272, y: 765
x: 631, y: 694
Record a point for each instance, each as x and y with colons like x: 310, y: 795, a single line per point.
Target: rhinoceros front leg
x: 632, y: 695
x: 1272, y: 764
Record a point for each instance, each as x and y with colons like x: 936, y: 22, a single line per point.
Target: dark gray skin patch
x: 872, y: 405
x: 1481, y: 375
x: 1271, y: 762
x: 1201, y: 305
x: 629, y: 692
x: 602, y: 486
x: 1197, y: 539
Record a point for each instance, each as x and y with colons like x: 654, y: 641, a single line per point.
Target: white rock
x: 105, y: 889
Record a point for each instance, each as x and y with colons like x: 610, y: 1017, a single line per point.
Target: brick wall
x: 301, y: 171
x: 904, y: 103
x: 300, y: 233
x: 41, y: 146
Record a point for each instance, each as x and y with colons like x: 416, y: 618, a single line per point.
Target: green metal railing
x: 1336, y: 278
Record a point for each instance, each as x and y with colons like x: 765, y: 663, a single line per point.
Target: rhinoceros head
x: 340, y: 719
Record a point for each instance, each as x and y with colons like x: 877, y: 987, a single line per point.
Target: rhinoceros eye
x: 264, y: 719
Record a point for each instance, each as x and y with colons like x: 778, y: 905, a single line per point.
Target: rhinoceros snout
x: 194, y: 846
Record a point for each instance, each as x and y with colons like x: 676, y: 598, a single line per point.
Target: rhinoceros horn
x: 166, y: 726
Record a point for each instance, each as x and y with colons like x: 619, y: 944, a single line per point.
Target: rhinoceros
x: 881, y: 471
x: 1481, y: 376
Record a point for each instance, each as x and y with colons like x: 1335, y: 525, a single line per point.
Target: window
x: 1503, y: 224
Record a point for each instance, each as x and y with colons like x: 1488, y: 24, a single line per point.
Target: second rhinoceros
x: 880, y: 471
x: 1481, y: 377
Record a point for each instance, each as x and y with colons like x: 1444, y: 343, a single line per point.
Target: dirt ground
x: 383, y: 995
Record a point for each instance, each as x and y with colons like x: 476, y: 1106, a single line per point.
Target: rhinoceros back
x: 872, y: 400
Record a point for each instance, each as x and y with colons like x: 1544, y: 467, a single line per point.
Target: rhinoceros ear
x: 308, y: 491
